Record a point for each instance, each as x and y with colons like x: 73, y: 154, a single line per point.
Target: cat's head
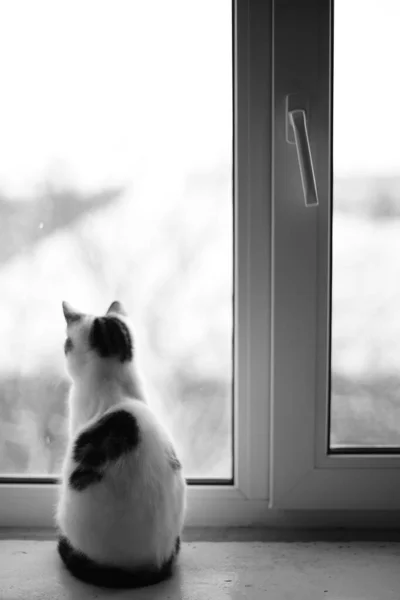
x: 97, y: 338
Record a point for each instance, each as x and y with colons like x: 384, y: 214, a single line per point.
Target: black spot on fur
x: 110, y: 337
x: 86, y: 569
x: 109, y: 438
x: 173, y: 460
x: 83, y: 477
x: 68, y: 345
x: 177, y: 545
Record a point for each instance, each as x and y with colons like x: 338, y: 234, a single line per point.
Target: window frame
x: 282, y: 303
x: 304, y: 474
x: 246, y: 501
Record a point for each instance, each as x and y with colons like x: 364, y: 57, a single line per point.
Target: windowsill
x: 242, y: 534
x: 207, y: 570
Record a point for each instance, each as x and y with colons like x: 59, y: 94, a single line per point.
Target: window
x: 125, y: 174
x: 335, y: 430
x: 366, y: 209
x: 302, y: 392
x: 116, y: 182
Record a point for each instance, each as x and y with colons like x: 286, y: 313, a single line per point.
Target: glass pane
x: 116, y: 182
x: 365, y: 407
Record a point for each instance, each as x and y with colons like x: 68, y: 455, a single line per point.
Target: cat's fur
x: 122, y: 500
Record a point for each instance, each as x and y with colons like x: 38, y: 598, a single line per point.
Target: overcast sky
x: 367, y: 87
x: 94, y: 90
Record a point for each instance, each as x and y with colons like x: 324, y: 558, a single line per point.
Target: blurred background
x: 365, y: 406
x: 116, y: 183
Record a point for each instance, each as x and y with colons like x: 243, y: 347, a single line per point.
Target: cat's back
x: 123, y: 487
x: 122, y: 502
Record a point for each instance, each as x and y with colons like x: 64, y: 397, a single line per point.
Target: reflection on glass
x: 365, y: 402
x: 115, y: 182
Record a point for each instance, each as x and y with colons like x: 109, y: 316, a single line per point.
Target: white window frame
x: 29, y: 505
x: 282, y: 311
x: 304, y: 475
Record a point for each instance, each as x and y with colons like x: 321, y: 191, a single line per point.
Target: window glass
x: 365, y: 408
x: 116, y: 183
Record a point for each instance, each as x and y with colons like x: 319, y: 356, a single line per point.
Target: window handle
x: 298, y: 121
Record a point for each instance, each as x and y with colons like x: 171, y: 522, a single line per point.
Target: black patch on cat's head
x: 110, y: 337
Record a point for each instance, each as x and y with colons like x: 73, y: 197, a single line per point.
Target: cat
x: 122, y: 498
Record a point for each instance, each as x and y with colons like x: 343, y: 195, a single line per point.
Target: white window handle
x: 298, y: 121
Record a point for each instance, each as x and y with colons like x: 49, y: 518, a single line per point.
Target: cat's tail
x: 89, y: 571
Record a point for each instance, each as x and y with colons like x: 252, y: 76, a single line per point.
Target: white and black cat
x: 123, y: 493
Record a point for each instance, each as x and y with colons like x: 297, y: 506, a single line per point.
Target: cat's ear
x: 110, y: 337
x: 116, y: 307
x: 71, y: 314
